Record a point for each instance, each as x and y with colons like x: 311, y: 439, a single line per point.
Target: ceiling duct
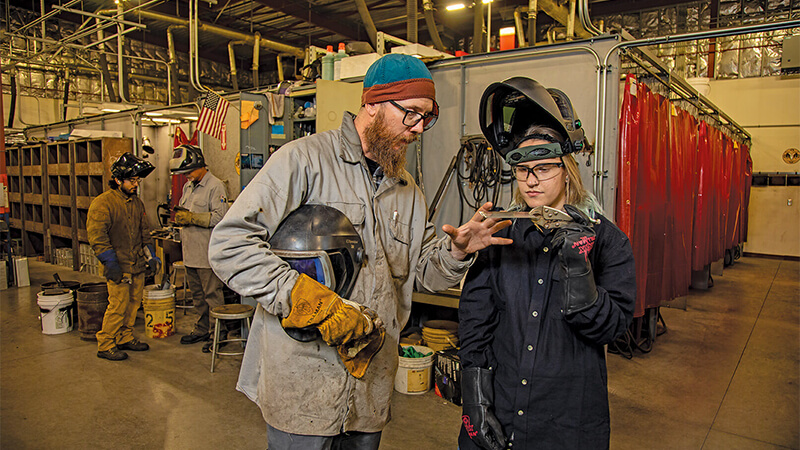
x: 427, y: 8
x: 223, y: 32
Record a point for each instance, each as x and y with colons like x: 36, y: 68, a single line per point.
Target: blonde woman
x: 534, y: 315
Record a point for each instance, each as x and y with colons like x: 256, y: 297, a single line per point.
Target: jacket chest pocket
x: 397, y: 248
x: 198, y: 204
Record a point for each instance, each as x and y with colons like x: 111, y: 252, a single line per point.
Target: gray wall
x: 460, y: 84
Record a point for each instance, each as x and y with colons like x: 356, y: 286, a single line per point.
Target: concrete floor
x: 725, y: 376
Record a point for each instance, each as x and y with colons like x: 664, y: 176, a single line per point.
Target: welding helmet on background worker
x: 510, y: 107
x: 321, y: 242
x: 130, y: 166
x: 186, y: 158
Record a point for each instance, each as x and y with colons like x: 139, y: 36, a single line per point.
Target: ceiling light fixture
x: 455, y: 7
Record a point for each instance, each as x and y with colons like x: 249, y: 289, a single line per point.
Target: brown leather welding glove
x: 356, y: 355
x: 338, y: 320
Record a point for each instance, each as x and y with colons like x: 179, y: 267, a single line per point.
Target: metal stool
x: 229, y: 312
x: 185, y: 287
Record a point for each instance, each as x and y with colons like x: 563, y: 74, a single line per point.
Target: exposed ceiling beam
x: 332, y: 22
x: 631, y: 6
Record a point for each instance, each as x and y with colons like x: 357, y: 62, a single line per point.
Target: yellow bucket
x: 159, y: 312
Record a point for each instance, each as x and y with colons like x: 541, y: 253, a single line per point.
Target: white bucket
x: 55, y: 310
x: 159, y: 312
x: 414, y: 375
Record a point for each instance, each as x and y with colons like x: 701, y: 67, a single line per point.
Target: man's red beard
x: 388, y: 150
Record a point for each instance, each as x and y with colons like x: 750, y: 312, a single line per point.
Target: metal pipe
x: 92, y: 44
x: 232, y: 62
x: 363, y: 12
x: 194, y: 57
x: 12, y: 107
x: 44, y: 27
x: 489, y: 27
x: 44, y: 17
x: 104, y: 70
x: 477, y: 28
x: 280, y: 69
x: 583, y: 13
x: 571, y: 21
x: 98, y: 16
x: 411, y: 21
x: 172, y: 70
x: 256, y: 51
x: 66, y: 93
x: 123, y: 87
x: 533, y: 11
x: 518, y: 25
x: 427, y: 9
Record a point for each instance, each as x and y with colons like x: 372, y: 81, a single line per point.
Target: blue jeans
x: 355, y: 440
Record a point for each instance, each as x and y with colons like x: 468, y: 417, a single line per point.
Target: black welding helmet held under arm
x: 321, y: 242
x: 509, y: 108
x: 186, y: 158
x: 130, y: 166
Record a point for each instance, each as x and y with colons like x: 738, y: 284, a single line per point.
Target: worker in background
x: 203, y: 203
x: 334, y: 392
x: 120, y: 237
x: 534, y: 316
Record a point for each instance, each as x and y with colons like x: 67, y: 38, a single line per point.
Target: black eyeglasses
x: 412, y: 118
x: 542, y: 172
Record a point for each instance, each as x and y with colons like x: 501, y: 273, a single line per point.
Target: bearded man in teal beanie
x: 332, y: 388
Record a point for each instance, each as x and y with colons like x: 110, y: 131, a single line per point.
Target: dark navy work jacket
x: 550, y: 370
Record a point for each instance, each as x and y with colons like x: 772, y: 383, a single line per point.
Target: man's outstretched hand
x: 476, y: 234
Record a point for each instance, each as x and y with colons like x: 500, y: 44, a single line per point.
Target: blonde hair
x: 575, y: 193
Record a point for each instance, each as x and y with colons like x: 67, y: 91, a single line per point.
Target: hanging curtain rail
x: 599, y: 180
x: 702, y: 110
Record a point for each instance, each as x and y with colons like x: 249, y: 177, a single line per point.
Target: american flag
x: 212, y: 115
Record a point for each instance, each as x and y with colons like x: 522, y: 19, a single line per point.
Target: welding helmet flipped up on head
x: 321, y: 242
x: 186, y: 158
x: 130, y: 166
x: 509, y: 108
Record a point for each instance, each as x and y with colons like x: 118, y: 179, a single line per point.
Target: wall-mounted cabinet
x: 50, y: 188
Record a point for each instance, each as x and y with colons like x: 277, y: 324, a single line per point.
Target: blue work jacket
x: 550, y: 370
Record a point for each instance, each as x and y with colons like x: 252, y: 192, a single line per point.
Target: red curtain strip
x: 683, y: 190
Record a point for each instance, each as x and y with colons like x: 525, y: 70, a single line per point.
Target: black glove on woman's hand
x: 575, y: 240
x: 477, y: 393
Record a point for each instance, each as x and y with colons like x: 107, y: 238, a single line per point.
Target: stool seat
x: 233, y: 311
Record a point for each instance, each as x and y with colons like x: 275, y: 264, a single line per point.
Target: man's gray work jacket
x: 304, y: 388
x: 207, y: 195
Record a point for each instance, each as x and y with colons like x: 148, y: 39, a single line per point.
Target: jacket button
x: 519, y: 413
x: 530, y: 348
x: 545, y: 249
x: 541, y: 281
x: 524, y: 382
x: 535, y: 314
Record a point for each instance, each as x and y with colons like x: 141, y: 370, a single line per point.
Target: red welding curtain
x: 682, y: 194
